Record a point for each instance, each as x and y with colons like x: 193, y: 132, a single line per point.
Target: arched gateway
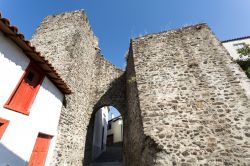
x: 183, y: 100
x: 115, y: 95
x: 69, y: 43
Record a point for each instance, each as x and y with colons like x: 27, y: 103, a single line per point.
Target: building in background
x: 100, y: 132
x: 233, y: 45
x: 205, y: 95
x: 31, y: 98
x: 115, y: 131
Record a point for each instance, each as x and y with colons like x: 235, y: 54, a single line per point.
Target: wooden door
x: 26, y: 91
x: 39, y: 154
x: 110, y: 139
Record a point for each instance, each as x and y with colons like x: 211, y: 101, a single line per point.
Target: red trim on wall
x: 40, y: 150
x: 20, y: 102
x: 3, y: 125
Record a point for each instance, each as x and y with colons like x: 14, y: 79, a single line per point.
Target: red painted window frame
x: 50, y: 137
x: 26, y: 112
x: 3, y: 127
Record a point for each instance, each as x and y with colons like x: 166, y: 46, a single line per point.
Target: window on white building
x: 239, y: 45
x: 109, y: 125
x: 28, y: 86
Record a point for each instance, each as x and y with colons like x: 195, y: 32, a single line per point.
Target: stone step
x: 112, y: 154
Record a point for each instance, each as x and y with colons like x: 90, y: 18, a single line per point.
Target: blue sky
x: 114, y: 111
x: 116, y: 21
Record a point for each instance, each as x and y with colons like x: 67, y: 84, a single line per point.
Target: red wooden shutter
x: 39, y: 154
x: 25, y: 93
x: 3, y: 125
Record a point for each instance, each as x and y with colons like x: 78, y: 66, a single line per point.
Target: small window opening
x: 239, y: 45
x: 30, y: 76
x: 109, y: 126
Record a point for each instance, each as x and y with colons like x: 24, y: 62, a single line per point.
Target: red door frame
x: 40, y: 150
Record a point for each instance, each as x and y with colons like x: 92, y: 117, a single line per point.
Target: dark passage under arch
x: 97, y: 132
x: 105, y: 137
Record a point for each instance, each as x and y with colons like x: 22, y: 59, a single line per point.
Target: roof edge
x: 235, y: 39
x: 18, y: 38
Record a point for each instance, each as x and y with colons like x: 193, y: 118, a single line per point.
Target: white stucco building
x: 31, y: 97
x: 100, y: 132
x: 115, y: 131
x: 233, y: 45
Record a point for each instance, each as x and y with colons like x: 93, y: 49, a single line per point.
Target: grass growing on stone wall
x: 132, y: 79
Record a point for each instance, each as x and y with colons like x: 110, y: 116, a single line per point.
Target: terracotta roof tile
x: 18, y: 38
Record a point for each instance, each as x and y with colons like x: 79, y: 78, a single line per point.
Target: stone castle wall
x: 134, y: 133
x: 68, y: 42
x: 193, y: 99
x: 109, y: 91
x: 183, y: 100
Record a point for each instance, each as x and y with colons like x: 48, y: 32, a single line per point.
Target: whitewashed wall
x: 233, y: 50
x: 18, y: 141
x: 101, y: 121
x: 117, y: 130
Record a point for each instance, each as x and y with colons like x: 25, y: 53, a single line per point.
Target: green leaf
x: 244, y: 51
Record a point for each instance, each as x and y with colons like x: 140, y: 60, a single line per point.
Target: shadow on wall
x: 88, y: 143
x: 9, y: 158
x: 114, y: 96
x: 11, y: 53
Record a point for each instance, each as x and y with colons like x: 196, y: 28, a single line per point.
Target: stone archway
x: 95, y: 83
x: 114, y: 96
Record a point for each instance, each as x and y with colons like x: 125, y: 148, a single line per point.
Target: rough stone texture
x: 109, y: 91
x: 193, y: 99
x: 183, y: 100
x: 69, y: 43
x: 134, y: 136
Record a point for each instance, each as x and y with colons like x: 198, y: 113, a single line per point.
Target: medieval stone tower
x: 183, y: 100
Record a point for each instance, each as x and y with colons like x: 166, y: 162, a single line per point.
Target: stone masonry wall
x: 110, y: 85
x: 66, y: 40
x: 109, y: 91
x: 135, y: 133
x: 69, y: 43
x: 194, y: 99
x: 182, y: 98
x: 58, y: 36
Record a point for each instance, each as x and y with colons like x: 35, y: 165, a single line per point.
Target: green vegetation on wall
x: 245, y: 64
